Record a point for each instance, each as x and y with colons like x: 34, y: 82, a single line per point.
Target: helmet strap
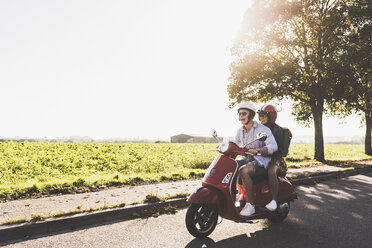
x: 251, y: 115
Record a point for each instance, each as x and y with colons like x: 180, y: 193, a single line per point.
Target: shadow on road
x: 267, y: 237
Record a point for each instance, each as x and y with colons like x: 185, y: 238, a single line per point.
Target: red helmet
x: 270, y: 111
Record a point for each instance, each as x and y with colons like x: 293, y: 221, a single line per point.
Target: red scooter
x: 216, y: 197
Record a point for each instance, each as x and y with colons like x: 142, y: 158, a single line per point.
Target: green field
x: 50, y: 168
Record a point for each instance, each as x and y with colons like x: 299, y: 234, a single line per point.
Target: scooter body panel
x: 217, y: 189
x: 262, y: 195
x: 220, y: 175
x: 286, y: 191
x: 205, y: 195
x: 220, y: 172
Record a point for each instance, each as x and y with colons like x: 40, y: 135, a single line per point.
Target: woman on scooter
x: 267, y: 115
x: 253, y: 165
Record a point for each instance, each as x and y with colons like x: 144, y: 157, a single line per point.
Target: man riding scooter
x: 216, y: 196
x: 256, y: 163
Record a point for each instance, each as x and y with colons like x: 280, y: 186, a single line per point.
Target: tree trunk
x: 367, y: 142
x: 318, y: 126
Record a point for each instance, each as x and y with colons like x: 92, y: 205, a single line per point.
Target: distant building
x: 186, y: 138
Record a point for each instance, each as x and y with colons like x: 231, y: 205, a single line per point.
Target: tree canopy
x: 354, y: 93
x: 291, y: 50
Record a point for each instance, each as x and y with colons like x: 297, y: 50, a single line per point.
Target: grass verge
x: 42, y: 168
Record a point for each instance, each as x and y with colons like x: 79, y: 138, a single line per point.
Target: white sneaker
x: 271, y: 205
x: 247, y: 210
x: 239, y: 203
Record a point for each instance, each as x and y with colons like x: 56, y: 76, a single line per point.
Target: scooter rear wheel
x: 281, y: 214
x: 201, y: 219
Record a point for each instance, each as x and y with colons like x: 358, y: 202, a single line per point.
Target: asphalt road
x: 335, y: 213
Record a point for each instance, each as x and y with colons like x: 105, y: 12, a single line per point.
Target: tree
x: 288, y: 50
x: 355, y: 75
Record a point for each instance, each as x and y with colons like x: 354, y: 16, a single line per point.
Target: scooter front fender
x: 205, y: 195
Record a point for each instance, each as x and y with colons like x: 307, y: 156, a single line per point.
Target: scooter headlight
x: 224, y: 146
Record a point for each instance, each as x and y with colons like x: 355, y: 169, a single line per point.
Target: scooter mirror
x: 214, y: 134
x: 261, y: 136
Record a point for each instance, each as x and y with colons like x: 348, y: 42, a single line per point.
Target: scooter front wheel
x: 201, y: 219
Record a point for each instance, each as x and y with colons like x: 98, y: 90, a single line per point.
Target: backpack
x: 285, y: 142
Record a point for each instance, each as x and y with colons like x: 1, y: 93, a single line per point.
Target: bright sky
x: 128, y: 69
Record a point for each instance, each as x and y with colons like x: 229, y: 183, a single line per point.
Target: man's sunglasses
x: 242, y: 113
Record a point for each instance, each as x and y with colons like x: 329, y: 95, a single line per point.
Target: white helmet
x: 247, y: 105
x: 250, y: 107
